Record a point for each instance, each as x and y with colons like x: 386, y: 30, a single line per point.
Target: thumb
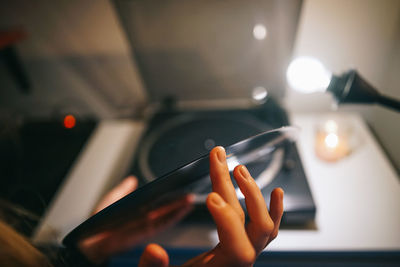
x: 154, y: 256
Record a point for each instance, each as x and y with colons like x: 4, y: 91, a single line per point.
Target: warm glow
x: 331, y: 140
x: 259, y: 32
x: 308, y: 75
x: 69, y: 121
x: 331, y: 126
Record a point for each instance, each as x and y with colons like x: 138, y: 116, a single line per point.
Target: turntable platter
x: 187, y: 137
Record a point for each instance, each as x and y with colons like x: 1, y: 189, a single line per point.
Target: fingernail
x: 281, y: 192
x: 217, y: 200
x: 221, y: 154
x: 244, y: 172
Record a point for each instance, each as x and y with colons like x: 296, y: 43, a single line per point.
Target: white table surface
x: 357, y: 198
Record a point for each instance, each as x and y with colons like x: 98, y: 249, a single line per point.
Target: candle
x: 331, y: 142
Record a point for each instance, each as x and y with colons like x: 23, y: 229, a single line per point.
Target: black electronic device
x: 260, y: 152
x: 202, y: 53
x: 175, y: 137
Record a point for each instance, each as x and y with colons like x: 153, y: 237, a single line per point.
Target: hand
x: 239, y: 244
x: 101, y: 246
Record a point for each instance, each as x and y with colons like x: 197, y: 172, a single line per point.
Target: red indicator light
x: 69, y: 121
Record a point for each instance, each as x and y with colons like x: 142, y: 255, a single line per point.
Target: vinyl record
x: 189, y: 178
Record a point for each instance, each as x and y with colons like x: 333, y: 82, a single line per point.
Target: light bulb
x: 308, y: 75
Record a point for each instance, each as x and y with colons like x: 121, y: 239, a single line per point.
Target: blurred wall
x: 385, y: 123
x: 206, y: 50
x: 76, y: 56
x: 79, y: 61
x: 360, y: 34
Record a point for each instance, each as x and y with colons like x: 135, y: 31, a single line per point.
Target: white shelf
x: 102, y: 162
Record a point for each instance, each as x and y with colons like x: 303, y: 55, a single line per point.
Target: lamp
x: 308, y: 75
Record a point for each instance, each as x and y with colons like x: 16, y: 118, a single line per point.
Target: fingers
x: 221, y: 180
x: 154, y: 256
x: 169, y: 208
x: 128, y: 185
x: 157, y: 220
x: 234, y: 242
x: 165, y: 217
x: 260, y: 226
x: 136, y: 232
x: 276, y: 211
x: 92, y: 249
x: 133, y: 232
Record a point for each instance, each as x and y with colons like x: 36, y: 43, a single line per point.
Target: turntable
x: 176, y: 137
x: 206, y: 52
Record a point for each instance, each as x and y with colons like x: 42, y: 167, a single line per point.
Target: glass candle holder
x: 332, y: 140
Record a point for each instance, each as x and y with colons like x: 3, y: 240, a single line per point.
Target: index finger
x: 221, y: 179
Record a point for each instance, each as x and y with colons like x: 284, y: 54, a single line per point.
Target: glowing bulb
x: 308, y: 75
x: 259, y: 32
x: 331, y: 140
